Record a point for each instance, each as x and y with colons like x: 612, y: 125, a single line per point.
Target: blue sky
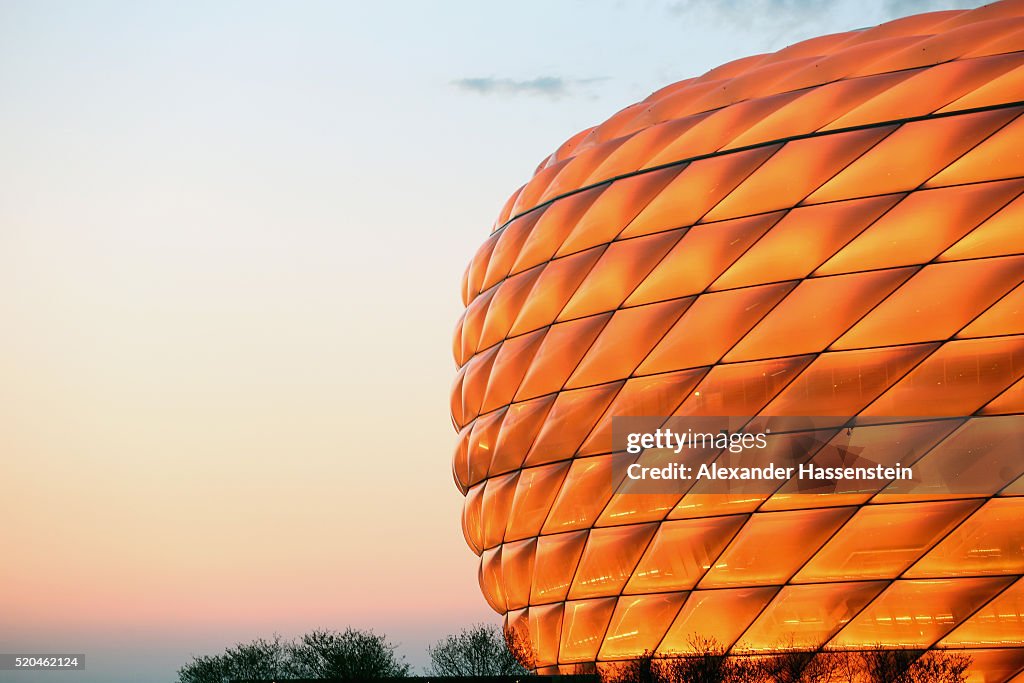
x: 231, y: 240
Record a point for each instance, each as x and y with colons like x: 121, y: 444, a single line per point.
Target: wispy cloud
x: 749, y: 9
x: 542, y: 86
x: 787, y: 19
x: 753, y: 10
x: 900, y: 8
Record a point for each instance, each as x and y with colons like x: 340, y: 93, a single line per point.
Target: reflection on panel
x: 557, y: 558
x: 807, y: 616
x: 917, y: 613
x: 583, y: 627
x: 639, y: 623
x: 517, y: 560
x: 681, y: 552
x: 981, y: 457
x: 883, y: 540
x: 546, y: 629
x: 570, y: 420
x: 996, y: 665
x: 792, y: 537
x: 720, y: 615
x: 999, y: 623
x: 991, y: 541
x: 609, y: 559
x: 586, y: 490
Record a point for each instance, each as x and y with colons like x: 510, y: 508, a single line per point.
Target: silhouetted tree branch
x: 480, y: 650
x: 517, y: 640
x: 710, y: 662
x: 350, y: 654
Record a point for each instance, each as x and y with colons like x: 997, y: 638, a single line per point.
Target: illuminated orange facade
x: 837, y: 229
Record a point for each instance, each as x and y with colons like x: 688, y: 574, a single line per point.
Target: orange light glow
x: 834, y: 229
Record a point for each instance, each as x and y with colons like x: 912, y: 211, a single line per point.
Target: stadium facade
x: 833, y: 229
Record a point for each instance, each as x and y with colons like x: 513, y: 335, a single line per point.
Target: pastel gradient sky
x: 231, y: 239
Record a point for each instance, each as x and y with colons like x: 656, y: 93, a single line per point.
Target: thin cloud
x: 752, y: 10
x: 779, y: 20
x: 737, y: 8
x: 900, y: 8
x: 770, y: 23
x: 542, y: 86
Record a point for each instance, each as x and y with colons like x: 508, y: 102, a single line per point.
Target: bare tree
x: 643, y: 669
x: 480, y: 650
x: 710, y: 662
x: 883, y: 664
x: 795, y: 662
x: 259, y: 660
x: 517, y: 640
x: 786, y: 667
x: 941, y: 666
x: 807, y: 666
x: 888, y: 665
x: 879, y: 664
x: 349, y: 654
x: 204, y: 669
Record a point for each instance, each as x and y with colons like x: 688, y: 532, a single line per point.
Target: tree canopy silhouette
x: 480, y: 650
x: 347, y: 655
